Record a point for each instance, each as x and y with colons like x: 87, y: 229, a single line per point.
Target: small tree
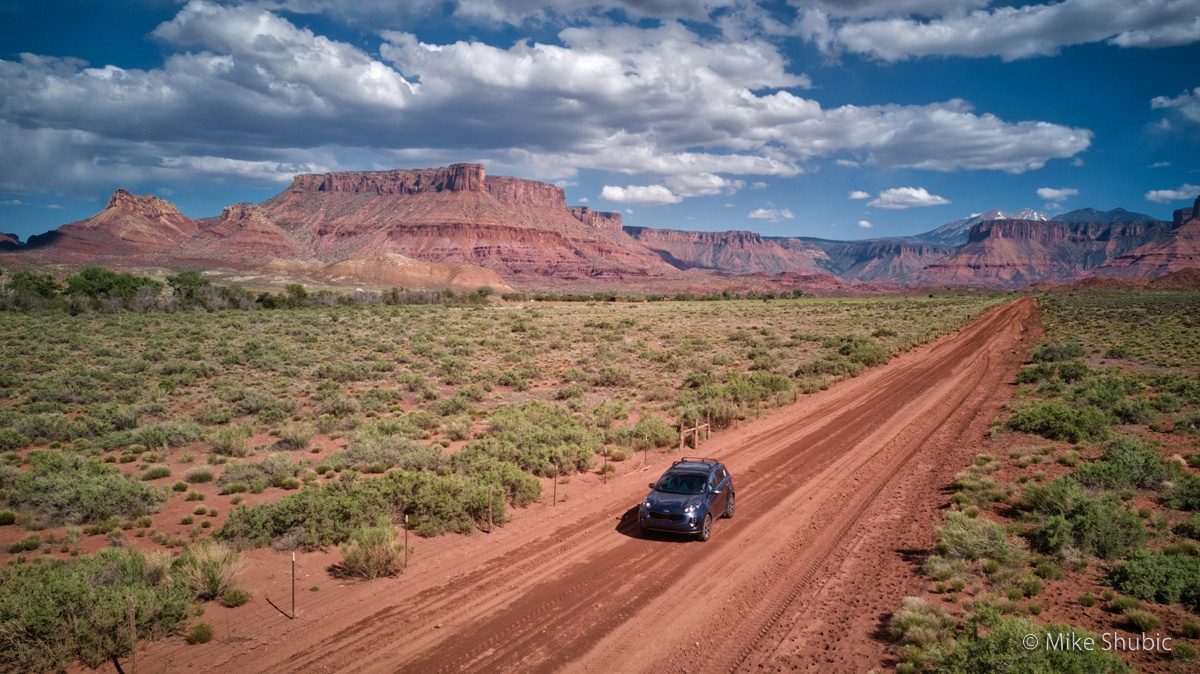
x: 187, y: 286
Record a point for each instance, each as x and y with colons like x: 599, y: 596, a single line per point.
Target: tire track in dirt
x: 574, y: 587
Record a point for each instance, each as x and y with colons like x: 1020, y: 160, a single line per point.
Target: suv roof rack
x: 689, y: 459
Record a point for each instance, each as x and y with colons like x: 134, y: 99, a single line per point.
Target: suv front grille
x: 666, y: 517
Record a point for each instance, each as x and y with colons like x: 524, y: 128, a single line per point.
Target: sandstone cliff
x: 1175, y: 251
x: 735, y: 252
x: 518, y: 228
x: 1016, y: 253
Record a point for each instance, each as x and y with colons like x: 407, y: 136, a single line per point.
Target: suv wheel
x: 729, y: 506
x: 706, y: 528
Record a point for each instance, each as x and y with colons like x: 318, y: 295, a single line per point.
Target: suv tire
x: 729, y: 506
x: 705, y: 528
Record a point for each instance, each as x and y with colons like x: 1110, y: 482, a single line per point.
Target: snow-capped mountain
x: 955, y: 233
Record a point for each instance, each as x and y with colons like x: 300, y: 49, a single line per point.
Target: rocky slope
x: 9, y: 241
x: 130, y: 225
x: 880, y: 260
x: 958, y: 232
x: 1177, y: 250
x: 735, y: 252
x: 1093, y: 215
x: 1015, y: 253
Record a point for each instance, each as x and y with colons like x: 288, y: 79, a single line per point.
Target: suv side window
x: 718, y: 477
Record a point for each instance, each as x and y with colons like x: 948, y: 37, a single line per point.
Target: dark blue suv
x: 688, y: 497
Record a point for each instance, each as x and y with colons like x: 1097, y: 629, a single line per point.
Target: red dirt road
x: 836, y: 501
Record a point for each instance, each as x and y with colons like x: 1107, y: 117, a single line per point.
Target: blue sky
x: 838, y: 119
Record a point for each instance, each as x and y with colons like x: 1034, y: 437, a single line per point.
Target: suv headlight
x: 692, y: 508
x: 646, y: 505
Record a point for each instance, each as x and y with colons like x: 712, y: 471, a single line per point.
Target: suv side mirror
x: 652, y: 485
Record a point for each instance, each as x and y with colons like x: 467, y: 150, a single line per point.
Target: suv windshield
x: 681, y: 483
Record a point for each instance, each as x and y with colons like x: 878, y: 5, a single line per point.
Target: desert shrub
x: 372, y: 444
x: 329, y: 514
x: 1056, y: 420
x: 235, y: 597
x: 198, y: 475
x: 962, y: 537
x: 863, y: 350
x: 1051, y: 353
x: 158, y: 436
x: 1070, y: 518
x: 1188, y: 424
x: 371, y: 553
x: 1126, y: 463
x: 230, y: 440
x: 1035, y: 373
x: 156, y: 472
x: 998, y: 647
x: 1184, y: 494
x: 1159, y: 577
x: 209, y: 568
x: 1072, y: 371
x: 54, y: 613
x: 1189, y: 528
x: 920, y: 623
x: 1142, y: 621
x: 295, y: 436
x: 11, y: 440
x: 7, y: 517
x: 539, y: 437
x: 834, y: 366
x: 515, y: 485
x: 201, y: 633
x: 1134, y: 411
x: 648, y: 433
x: 271, y: 471
x: 613, y: 377
x: 67, y: 489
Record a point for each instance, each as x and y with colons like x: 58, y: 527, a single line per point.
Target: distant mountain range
x: 457, y: 227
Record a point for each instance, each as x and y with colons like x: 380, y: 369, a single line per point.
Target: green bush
x: 210, y: 568
x: 235, y: 597
x: 371, y: 553
x: 999, y: 648
x: 11, y: 440
x: 1126, y: 463
x: 1159, y: 577
x: 66, y: 489
x: 1189, y: 528
x: 271, y: 471
x: 54, y: 613
x: 1050, y: 353
x: 1056, y: 420
x: 1035, y: 373
x: 1184, y: 494
x: 319, y: 516
x: 386, y: 442
x: 962, y: 537
x: 198, y: 475
x: 1070, y: 518
x: 156, y: 473
x: 201, y: 633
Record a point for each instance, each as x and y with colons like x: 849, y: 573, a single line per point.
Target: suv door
x: 717, y: 481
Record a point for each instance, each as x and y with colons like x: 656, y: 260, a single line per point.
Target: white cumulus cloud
x: 859, y: 194
x: 642, y: 195
x: 771, y: 214
x: 906, y: 197
x: 1188, y: 104
x: 1056, y: 194
x: 1036, y: 29
x: 865, y: 224
x: 1184, y: 192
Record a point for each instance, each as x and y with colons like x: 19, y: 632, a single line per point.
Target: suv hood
x: 672, y: 503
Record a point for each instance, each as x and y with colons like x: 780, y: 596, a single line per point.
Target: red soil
x: 837, y: 500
